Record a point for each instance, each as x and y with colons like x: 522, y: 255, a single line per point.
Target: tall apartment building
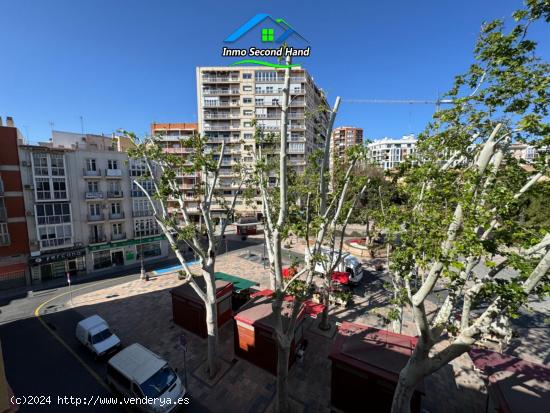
x: 343, y: 138
x: 230, y: 99
x: 84, y: 211
x: 388, y: 153
x: 171, y: 135
x: 14, y: 242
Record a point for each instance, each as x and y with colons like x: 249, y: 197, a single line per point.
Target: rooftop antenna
x: 82, y: 124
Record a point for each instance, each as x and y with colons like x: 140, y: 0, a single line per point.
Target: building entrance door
x: 117, y: 257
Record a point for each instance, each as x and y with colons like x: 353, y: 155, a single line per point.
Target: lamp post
x: 143, y: 275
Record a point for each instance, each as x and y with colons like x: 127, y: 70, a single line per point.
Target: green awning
x: 239, y: 284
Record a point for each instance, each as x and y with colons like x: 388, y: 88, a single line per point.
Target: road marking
x: 63, y: 342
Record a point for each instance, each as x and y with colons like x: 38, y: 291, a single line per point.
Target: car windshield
x: 101, y: 336
x: 158, y: 382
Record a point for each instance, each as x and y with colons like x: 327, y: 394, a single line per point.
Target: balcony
x: 96, y: 217
x: 113, y: 173
x: 114, y: 194
x: 118, y: 237
x: 97, y: 239
x: 93, y: 195
x: 221, y: 116
x: 220, y: 127
x: 220, y: 92
x: 279, y: 79
x: 91, y: 174
x: 116, y: 216
x: 142, y: 213
x: 222, y: 79
x: 220, y: 104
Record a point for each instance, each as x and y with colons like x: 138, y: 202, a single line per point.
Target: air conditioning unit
x: 28, y: 186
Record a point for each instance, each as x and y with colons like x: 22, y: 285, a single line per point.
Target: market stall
x: 189, y: 311
x: 366, y: 363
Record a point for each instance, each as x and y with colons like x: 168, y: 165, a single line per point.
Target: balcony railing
x: 118, y: 237
x: 146, y: 233
x: 114, y: 194
x: 223, y: 79
x: 95, y: 173
x: 113, y: 173
x: 95, y: 218
x: 220, y: 127
x: 136, y: 193
x: 94, y: 195
x: 118, y: 215
x: 96, y: 239
x: 220, y: 92
x: 142, y: 213
x: 279, y: 79
x: 222, y: 116
x: 220, y: 104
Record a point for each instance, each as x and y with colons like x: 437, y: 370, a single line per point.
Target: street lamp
x: 143, y: 275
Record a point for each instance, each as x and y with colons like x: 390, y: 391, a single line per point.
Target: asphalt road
x: 42, y: 356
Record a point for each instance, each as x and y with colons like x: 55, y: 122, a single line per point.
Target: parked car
x: 138, y: 372
x: 94, y: 333
x: 347, y: 263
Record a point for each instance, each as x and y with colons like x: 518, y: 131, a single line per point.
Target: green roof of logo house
x: 268, y: 34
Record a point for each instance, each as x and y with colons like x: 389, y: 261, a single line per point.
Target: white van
x: 348, y: 263
x: 138, y: 372
x: 94, y: 333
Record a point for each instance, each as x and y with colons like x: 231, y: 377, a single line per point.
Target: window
x: 102, y: 259
x: 53, y: 213
x: 247, y: 136
x: 52, y: 236
x: 43, y: 188
x: 247, y: 75
x: 137, y: 167
x: 149, y: 250
x: 116, y: 229
x: 247, y: 100
x: 58, y: 167
x: 269, y: 89
x: 247, y: 112
x: 40, y: 163
x: 91, y: 165
x: 115, y: 208
x: 247, y: 124
x: 95, y: 210
x: 247, y: 88
x: 145, y: 227
x: 4, y: 234
x: 146, y: 184
x: 93, y: 186
x: 267, y: 35
x: 112, y: 164
x: 59, y: 188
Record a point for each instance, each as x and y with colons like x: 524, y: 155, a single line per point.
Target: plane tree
x: 176, y: 214
x: 456, y: 230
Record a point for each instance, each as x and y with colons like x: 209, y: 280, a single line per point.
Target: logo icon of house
x: 268, y: 33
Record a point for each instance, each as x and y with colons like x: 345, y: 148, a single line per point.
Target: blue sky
x: 127, y: 63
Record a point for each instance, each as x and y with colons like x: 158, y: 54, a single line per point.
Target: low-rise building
x: 84, y: 212
x: 388, y: 153
x: 14, y: 242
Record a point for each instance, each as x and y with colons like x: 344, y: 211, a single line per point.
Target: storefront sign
x: 57, y: 256
x: 110, y: 245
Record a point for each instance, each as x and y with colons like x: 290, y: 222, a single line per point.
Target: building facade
x: 14, y: 242
x: 234, y: 101
x: 388, y: 153
x: 343, y: 138
x: 85, y: 213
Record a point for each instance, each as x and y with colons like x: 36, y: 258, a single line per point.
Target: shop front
x: 57, y: 264
x: 119, y: 254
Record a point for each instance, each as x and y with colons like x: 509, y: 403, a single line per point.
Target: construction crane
x: 436, y: 102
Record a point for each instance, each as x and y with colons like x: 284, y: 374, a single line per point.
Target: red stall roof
x: 373, y: 351
x: 518, y: 385
x: 186, y: 291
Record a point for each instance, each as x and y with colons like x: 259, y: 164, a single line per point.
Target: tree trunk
x: 211, y: 321
x: 212, y: 331
x: 324, y: 323
x: 408, y: 378
x: 283, y: 353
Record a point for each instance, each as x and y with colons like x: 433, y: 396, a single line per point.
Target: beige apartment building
x: 230, y: 99
x: 84, y: 213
